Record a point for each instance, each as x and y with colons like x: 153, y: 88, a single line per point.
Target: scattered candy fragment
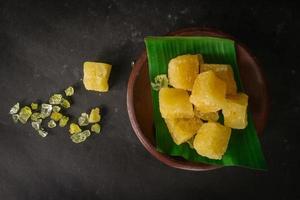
x: 96, y: 128
x: 51, y: 124
x: 24, y: 114
x: 65, y: 103
x: 42, y: 132
x: 15, y: 118
x: 34, y: 106
x: 63, y: 121
x: 14, y: 109
x: 83, y: 120
x: 55, y: 99
x: 69, y: 91
x: 95, y: 115
x: 45, y: 110
x: 56, y: 116
x: 81, y: 136
x: 36, y: 124
x: 56, y: 108
x: 35, y: 116
x: 74, y: 128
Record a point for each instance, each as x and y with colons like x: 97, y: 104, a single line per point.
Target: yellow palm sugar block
x: 212, y: 140
x: 183, y: 70
x: 235, y: 111
x: 183, y: 129
x: 174, y: 103
x: 210, y: 116
x: 208, y: 93
x: 96, y: 76
x: 225, y: 73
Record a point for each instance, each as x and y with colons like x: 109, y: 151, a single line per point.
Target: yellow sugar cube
x: 235, y: 111
x: 225, y: 73
x: 183, y: 70
x: 212, y: 140
x: 210, y: 116
x: 96, y: 76
x: 183, y: 129
x: 208, y: 93
x: 174, y: 103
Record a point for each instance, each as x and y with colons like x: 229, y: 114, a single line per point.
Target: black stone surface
x: 42, y: 47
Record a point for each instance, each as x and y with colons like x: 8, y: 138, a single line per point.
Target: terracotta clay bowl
x: 140, y: 108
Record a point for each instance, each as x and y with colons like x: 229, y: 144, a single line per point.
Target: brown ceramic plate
x: 140, y: 107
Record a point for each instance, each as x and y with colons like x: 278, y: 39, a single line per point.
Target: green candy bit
x: 69, y: 91
x: 42, y: 132
x: 81, y: 136
x: 83, y: 120
x: 34, y: 106
x: 74, y: 128
x: 37, y: 124
x: 55, y: 99
x: 24, y: 114
x: 45, y: 110
x: 155, y: 86
x: 15, y: 109
x: 35, y: 116
x: 15, y: 118
x: 56, y: 116
x: 51, y: 124
x: 160, y: 81
x: 65, y: 103
x: 96, y: 128
x: 63, y: 121
x: 56, y: 108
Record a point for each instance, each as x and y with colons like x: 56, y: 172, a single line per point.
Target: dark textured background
x: 42, y: 47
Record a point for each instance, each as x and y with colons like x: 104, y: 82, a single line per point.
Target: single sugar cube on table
x: 235, y: 111
x: 96, y: 76
x: 183, y: 129
x: 174, y: 103
x: 223, y: 72
x: 212, y: 140
x: 183, y: 70
x: 208, y: 93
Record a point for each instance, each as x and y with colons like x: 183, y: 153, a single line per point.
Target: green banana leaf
x: 244, y: 147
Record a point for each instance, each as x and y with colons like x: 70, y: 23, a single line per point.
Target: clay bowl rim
x: 164, y: 158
